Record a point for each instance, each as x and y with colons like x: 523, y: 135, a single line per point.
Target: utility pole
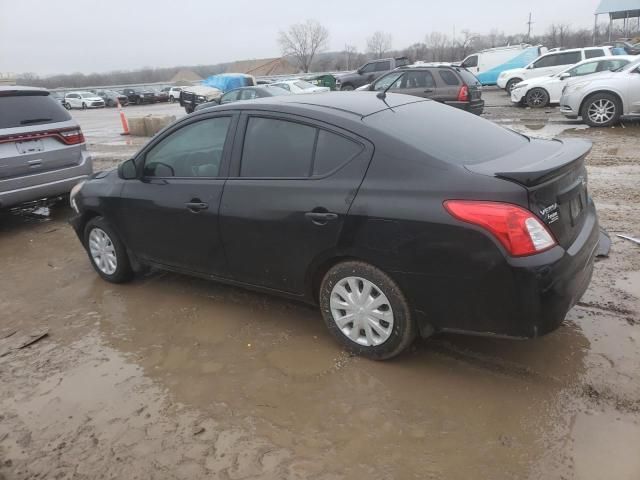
x: 529, y: 23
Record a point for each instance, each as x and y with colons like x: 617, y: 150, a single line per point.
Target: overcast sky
x: 63, y: 36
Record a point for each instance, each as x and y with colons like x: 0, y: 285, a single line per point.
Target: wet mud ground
x: 171, y: 377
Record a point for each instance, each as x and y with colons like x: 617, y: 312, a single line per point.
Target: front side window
x: 368, y: 68
x: 193, y: 151
x: 284, y: 86
x: 471, y: 61
x: 546, y: 61
x: 277, y: 148
x: 568, y: 58
x: 584, y: 69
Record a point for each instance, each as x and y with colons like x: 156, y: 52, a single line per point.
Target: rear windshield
x: 25, y: 110
x: 446, y: 133
x: 468, y: 77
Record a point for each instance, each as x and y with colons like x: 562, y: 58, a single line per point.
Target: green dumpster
x: 324, y: 80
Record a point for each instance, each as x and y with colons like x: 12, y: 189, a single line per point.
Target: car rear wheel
x: 84, y: 106
x: 106, y: 252
x: 601, y: 110
x: 537, y: 98
x: 346, y: 88
x: 512, y: 83
x: 366, y: 311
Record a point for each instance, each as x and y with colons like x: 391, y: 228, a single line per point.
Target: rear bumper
x: 18, y: 190
x: 476, y: 106
x: 491, y: 294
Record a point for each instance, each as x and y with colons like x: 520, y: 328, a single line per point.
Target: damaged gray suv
x: 42, y: 149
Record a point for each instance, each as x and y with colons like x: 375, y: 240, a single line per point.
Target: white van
x: 550, y: 63
x: 487, y: 65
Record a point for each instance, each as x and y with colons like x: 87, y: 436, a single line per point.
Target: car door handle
x: 195, y: 207
x: 428, y: 90
x: 321, y: 218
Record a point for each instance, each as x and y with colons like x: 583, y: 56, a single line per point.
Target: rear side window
x: 383, y: 66
x: 333, y: 151
x: 25, y: 110
x: 401, y: 62
x: 449, y: 77
x: 593, y: 53
x: 277, y: 148
x: 419, y: 79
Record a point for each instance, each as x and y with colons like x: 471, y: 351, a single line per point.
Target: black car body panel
x: 386, y: 208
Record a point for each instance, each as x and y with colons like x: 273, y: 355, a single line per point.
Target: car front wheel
x: 601, y: 110
x: 537, y: 98
x: 106, y: 252
x: 366, y: 311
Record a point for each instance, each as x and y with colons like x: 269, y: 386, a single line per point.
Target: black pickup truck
x: 139, y: 95
x: 368, y: 72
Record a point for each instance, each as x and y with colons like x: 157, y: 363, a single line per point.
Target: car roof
x: 21, y: 89
x: 358, y: 104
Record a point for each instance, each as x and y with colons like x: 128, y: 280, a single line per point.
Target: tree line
x: 305, y: 46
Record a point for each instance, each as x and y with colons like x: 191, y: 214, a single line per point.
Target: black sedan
x: 397, y: 215
x: 245, y: 93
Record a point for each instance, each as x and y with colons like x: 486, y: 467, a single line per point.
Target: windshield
x: 276, y: 90
x: 303, y: 85
x: 87, y: 94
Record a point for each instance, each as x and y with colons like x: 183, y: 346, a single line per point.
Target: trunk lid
x: 555, y: 177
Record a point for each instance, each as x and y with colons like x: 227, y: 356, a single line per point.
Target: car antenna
x: 382, y: 95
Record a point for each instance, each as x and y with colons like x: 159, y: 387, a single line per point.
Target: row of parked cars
x: 111, y: 98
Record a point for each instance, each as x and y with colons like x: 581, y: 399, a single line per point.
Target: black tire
x: 511, y: 83
x: 138, y: 101
x: 404, y: 329
x: 347, y: 88
x: 614, y: 109
x: 189, y: 109
x: 67, y: 106
x: 110, y: 102
x: 172, y: 99
x: 537, y: 98
x: 123, y: 271
x: 84, y: 106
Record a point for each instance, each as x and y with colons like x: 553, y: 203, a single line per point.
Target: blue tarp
x: 226, y: 82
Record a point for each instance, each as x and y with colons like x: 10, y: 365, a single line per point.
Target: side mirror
x: 564, y: 75
x: 127, y: 170
x: 359, y: 71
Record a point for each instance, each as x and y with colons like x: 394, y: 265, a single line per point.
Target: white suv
x: 603, y: 98
x: 550, y: 63
x: 174, y: 94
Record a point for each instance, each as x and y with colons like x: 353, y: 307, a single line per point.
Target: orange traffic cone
x: 123, y: 119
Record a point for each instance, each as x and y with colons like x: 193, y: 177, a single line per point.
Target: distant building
x: 7, y: 79
x: 185, y: 76
x: 263, y: 67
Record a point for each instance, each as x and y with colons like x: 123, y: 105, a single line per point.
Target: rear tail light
x: 519, y: 231
x: 72, y: 137
x: 463, y: 94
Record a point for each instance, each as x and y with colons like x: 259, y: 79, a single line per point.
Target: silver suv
x: 603, y: 98
x: 42, y: 149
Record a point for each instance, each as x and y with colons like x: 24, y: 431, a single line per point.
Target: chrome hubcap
x: 601, y: 111
x: 102, y: 251
x: 361, y: 311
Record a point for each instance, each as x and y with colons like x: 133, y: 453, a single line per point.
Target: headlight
x: 72, y: 195
x: 520, y: 85
x: 201, y: 98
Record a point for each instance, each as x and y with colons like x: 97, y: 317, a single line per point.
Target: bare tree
x: 302, y: 41
x: 350, y: 51
x: 379, y: 43
x: 437, y: 44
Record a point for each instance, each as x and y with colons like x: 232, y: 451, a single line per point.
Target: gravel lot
x: 173, y: 377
